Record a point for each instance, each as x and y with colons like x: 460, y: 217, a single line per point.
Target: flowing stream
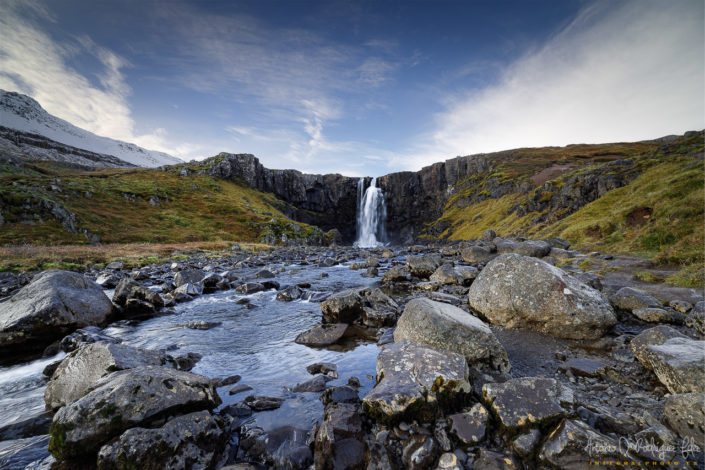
x: 256, y: 343
x: 371, y: 215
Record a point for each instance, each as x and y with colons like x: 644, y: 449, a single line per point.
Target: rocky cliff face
x: 328, y: 201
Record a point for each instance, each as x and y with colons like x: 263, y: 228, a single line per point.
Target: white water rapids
x: 371, y: 215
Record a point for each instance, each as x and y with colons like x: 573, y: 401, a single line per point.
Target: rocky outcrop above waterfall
x: 328, y: 201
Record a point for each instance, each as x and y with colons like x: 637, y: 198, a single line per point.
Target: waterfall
x: 371, y: 215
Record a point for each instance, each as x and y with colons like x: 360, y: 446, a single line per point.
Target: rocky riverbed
x: 489, y: 354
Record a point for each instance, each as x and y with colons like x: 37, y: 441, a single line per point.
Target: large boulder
x: 685, y: 414
x: 679, y: 364
x: 54, y: 304
x: 447, y: 327
x: 535, y: 248
x: 415, y: 380
x: 338, y: 441
x: 123, y: 400
x: 342, y: 307
x: 423, y: 266
x: 84, y: 366
x: 524, y: 292
x: 192, y: 441
x: 281, y: 448
x: 652, y: 337
x: 527, y: 401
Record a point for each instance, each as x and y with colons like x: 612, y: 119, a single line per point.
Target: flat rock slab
x: 123, y: 400
x: 679, y: 364
x: 447, y: 327
x: 685, y: 414
x: 527, y: 401
x: 652, y: 337
x: 192, y: 441
x: 524, y: 292
x: 574, y: 444
x: 470, y: 427
x: 261, y: 403
x: 83, y: 367
x: 629, y: 298
x: 584, y: 367
x: 316, y: 384
x: 322, y: 335
x: 414, y: 380
x: 51, y: 306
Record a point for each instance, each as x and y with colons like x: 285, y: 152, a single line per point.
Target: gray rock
x: 449, y: 461
x: 685, y: 414
x: 340, y: 394
x: 212, y: 281
x: 322, y: 335
x: 192, y: 290
x: 262, y: 403
x: 557, y: 242
x: 186, y: 276
x: 51, y: 306
x: 446, y: 275
x: 338, y: 439
x: 87, y: 335
x: 629, y: 298
x: 584, y: 367
x: 249, y: 288
x: 652, y: 337
x: 83, y: 367
x: 281, y: 448
x: 316, y: 384
x: 115, y: 265
x: 201, y: 324
x: 679, y: 363
x: 524, y: 292
x: 654, y: 315
x: 192, y: 441
x: 289, y: 293
x: 477, y: 254
x: 123, y: 400
x: 527, y: 401
x: 696, y: 318
x: 447, y: 327
x: 265, y: 274
x: 423, y: 266
x: 589, y: 279
x: 129, y: 289
x: 239, y: 388
x: 342, y: 307
x: 470, y: 427
x: 419, y: 452
x: 488, y: 235
x: 327, y: 368
x: 107, y: 280
x: 525, y: 444
x: 488, y: 460
x: 534, y: 248
x: 416, y: 378
x: 395, y: 274
x: 575, y: 445
x: 681, y: 306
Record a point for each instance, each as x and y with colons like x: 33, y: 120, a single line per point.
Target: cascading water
x: 371, y: 215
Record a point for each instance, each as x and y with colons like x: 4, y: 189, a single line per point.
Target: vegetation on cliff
x: 644, y: 199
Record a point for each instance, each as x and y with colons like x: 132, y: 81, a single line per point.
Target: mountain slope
x: 22, y: 113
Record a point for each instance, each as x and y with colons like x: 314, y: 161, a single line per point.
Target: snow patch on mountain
x: 20, y: 112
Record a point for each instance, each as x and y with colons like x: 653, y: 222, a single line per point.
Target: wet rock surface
x: 521, y: 291
x: 54, y: 304
x: 423, y: 402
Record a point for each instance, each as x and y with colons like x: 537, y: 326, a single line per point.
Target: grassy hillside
x: 47, y: 204
x: 658, y: 213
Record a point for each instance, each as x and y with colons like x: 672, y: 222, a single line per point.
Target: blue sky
x: 359, y: 88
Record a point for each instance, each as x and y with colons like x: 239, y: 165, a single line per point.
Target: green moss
x: 57, y: 439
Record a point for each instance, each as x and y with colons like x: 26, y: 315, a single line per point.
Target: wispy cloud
x: 620, y: 71
x: 33, y: 63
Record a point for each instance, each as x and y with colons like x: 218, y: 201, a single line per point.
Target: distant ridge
x: 22, y: 113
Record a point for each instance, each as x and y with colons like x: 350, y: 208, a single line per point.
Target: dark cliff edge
x: 544, y: 184
x: 327, y: 201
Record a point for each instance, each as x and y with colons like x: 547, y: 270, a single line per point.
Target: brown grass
x: 79, y: 257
